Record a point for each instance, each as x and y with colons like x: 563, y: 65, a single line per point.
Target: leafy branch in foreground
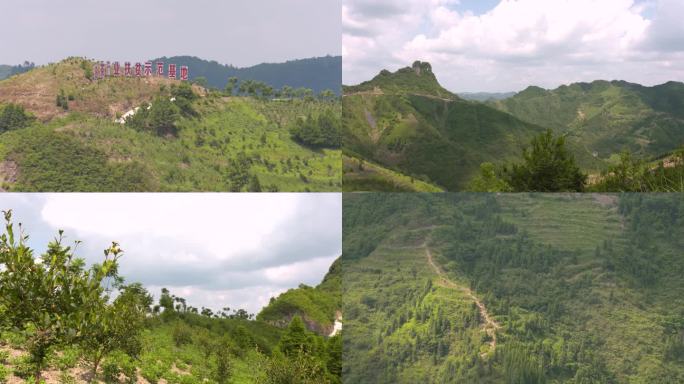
x: 55, y: 301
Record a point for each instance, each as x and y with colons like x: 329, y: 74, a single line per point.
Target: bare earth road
x: 490, y: 326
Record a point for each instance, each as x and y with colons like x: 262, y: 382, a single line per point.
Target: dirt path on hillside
x: 490, y: 326
x: 379, y: 92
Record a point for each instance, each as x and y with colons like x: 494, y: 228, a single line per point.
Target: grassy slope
x: 362, y: 175
x: 408, y: 122
x: 606, y: 117
x: 196, y: 161
x: 600, y: 304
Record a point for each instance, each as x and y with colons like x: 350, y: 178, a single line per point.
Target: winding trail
x: 490, y: 326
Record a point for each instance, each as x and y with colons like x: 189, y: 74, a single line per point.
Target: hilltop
x: 417, y: 79
x: 516, y: 288
x: 186, y: 138
x: 319, y: 307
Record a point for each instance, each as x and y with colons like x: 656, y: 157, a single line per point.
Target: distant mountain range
x: 409, y: 124
x: 9, y: 70
x: 485, y: 96
x: 318, y: 73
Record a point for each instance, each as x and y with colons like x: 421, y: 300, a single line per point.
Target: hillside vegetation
x: 405, y: 121
x: 604, y: 118
x: 181, y: 137
x: 408, y: 123
x: 63, y: 322
x: 516, y: 288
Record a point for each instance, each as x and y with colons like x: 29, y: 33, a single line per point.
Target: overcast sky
x: 216, y: 250
x: 497, y: 46
x: 238, y: 32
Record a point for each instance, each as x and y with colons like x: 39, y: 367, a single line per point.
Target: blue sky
x: 238, y: 32
x: 216, y: 250
x: 507, y: 45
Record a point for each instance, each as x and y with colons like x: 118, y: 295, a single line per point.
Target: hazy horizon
x: 45, y: 31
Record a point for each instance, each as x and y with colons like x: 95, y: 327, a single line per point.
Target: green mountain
x: 182, y: 138
x: 407, y: 122
x: 602, y: 118
x: 318, y: 306
x: 317, y: 73
x: 513, y: 288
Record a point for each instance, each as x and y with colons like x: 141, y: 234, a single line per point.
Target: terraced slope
x: 513, y: 288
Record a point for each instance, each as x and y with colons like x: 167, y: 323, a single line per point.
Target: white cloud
x: 520, y: 42
x: 216, y: 250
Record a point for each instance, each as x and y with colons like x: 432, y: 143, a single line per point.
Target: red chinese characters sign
x: 102, y: 69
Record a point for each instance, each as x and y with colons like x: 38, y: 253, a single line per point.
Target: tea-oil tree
x: 50, y: 299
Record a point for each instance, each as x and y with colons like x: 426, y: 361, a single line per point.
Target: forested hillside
x: 407, y: 123
x: 64, y: 322
x: 319, y: 307
x: 60, y: 130
x: 318, y: 73
x: 602, y: 119
x: 524, y: 288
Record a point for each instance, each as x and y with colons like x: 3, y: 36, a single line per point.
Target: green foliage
x: 4, y: 374
x: 117, y: 326
x: 318, y: 304
x: 47, y: 316
x: 62, y: 100
x: 14, y: 116
x: 301, y: 369
x: 634, y: 175
x: 223, y: 365
x: 488, y: 181
x: 239, y: 172
x: 320, y: 131
x: 81, y: 168
x: 585, y: 288
x: 296, y: 339
x: 547, y: 167
x: 118, y: 364
x: 182, y: 334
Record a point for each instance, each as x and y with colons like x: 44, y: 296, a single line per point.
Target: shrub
x: 182, y: 334
x: 4, y: 373
x: 14, y: 116
x: 61, y: 100
x: 547, y: 166
x: 67, y: 359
